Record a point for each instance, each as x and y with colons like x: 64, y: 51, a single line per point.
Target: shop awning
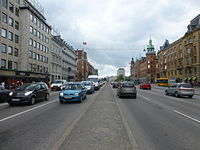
x: 194, y: 78
x: 189, y: 78
x: 185, y: 78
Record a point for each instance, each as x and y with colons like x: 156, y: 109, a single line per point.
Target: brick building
x: 84, y: 68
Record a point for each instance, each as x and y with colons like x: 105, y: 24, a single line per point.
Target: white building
x: 121, y: 71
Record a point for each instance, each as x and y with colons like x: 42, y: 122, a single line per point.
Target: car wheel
x: 11, y: 104
x: 166, y: 93
x: 177, y: 95
x: 85, y: 96
x: 135, y: 96
x: 47, y: 97
x: 81, y: 99
x: 190, y: 96
x: 32, y: 101
x: 61, y: 102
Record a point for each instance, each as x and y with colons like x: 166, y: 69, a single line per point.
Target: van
x: 95, y: 80
x: 56, y: 85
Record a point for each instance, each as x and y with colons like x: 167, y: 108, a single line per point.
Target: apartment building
x: 25, y: 42
x: 181, y: 59
x: 9, y: 38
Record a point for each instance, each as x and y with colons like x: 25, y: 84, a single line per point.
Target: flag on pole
x: 84, y: 43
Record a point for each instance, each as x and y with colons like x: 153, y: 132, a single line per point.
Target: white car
x: 56, y: 85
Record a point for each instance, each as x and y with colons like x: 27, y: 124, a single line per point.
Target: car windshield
x: 186, y: 85
x: 93, y: 79
x: 87, y: 84
x: 26, y: 87
x: 73, y: 87
x: 58, y: 81
x: 127, y: 84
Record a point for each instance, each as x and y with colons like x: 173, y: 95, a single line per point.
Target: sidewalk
x: 100, y: 128
x: 197, y: 89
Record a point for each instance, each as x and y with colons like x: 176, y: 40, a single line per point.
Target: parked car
x: 73, y: 92
x: 180, y: 89
x: 89, y: 86
x: 28, y: 93
x: 3, y: 94
x: 127, y: 89
x: 56, y: 85
x: 145, y: 86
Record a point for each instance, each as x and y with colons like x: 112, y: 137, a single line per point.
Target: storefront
x: 15, y: 78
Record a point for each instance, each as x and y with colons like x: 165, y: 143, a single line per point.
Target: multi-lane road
x: 153, y: 121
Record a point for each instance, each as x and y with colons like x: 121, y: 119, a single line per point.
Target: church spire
x: 150, y: 47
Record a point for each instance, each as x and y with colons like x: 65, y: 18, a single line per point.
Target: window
x: 15, y: 66
x: 3, y: 48
x: 10, y: 21
x: 16, y: 38
x: 30, y: 54
x: 4, y: 33
x: 31, y: 42
x: 10, y: 36
x: 35, y: 20
x: 3, y: 63
x: 16, y: 25
x: 4, y: 18
x: 47, y: 40
x: 16, y: 52
x: 38, y: 57
x: 38, y: 45
x: 10, y: 50
x: 18, y: 1
x: 31, y: 17
x: 47, y: 50
x: 9, y: 64
x: 17, y: 12
x: 41, y: 58
x: 38, y: 34
x: 34, y: 44
x: 41, y: 47
x: 11, y: 7
x: 30, y: 67
x: 31, y: 29
x: 4, y: 3
x: 34, y: 55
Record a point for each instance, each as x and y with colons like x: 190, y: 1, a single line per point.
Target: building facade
x: 121, y: 71
x: 24, y: 42
x: 144, y: 69
x: 84, y: 68
x: 180, y: 60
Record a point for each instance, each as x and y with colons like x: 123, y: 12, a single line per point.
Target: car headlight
x: 77, y: 94
x: 11, y: 93
x: 61, y: 94
x: 28, y: 93
x: 51, y: 85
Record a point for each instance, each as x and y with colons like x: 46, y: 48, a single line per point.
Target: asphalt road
x: 39, y: 126
x: 160, y: 122
x: 154, y: 122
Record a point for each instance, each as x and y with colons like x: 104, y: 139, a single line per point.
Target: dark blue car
x: 73, y: 92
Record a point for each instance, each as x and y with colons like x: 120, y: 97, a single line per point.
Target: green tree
x: 120, y: 78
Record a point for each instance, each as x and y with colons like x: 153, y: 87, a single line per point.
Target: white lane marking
x: 3, y: 104
x: 186, y: 116
x: 23, y: 112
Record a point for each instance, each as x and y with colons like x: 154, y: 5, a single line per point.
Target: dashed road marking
x: 23, y: 112
x: 186, y: 116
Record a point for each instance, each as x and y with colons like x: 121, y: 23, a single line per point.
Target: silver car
x: 89, y: 86
x: 127, y: 89
x: 180, y: 89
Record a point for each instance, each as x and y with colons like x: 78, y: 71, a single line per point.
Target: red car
x: 145, y: 86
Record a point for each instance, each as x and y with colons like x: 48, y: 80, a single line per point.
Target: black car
x: 3, y: 94
x: 28, y: 93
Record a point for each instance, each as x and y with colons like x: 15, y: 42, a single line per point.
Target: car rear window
x: 186, y: 85
x: 128, y: 85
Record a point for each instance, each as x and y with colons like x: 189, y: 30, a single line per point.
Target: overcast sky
x: 117, y: 30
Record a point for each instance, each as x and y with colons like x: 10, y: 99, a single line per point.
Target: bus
x: 165, y: 81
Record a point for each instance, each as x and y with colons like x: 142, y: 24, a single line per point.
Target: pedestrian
x: 3, y: 84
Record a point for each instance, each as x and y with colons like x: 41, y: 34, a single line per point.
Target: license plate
x: 15, y: 100
x: 68, y: 97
